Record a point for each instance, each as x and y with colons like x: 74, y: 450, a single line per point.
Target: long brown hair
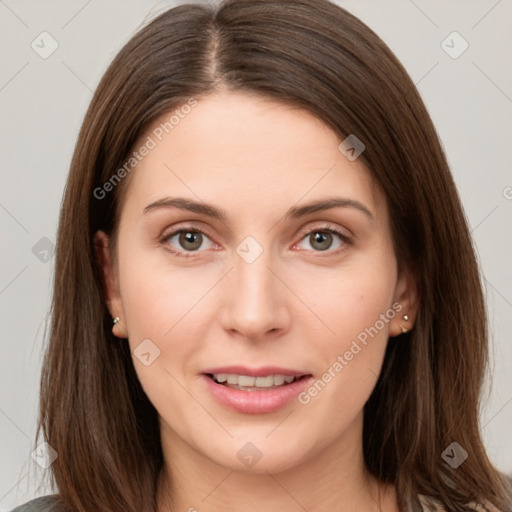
x: 314, y: 55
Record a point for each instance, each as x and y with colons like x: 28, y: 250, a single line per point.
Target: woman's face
x: 240, y: 275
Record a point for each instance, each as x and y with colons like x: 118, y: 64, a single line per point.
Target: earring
x: 118, y: 332
x: 404, y: 330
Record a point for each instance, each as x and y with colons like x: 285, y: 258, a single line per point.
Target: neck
x: 335, y: 479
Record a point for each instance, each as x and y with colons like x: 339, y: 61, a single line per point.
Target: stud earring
x: 117, y: 332
x: 404, y: 330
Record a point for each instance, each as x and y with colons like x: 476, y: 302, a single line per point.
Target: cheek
x: 357, y: 307
x: 351, y: 300
x: 164, y: 317
x: 166, y: 320
x: 157, y: 296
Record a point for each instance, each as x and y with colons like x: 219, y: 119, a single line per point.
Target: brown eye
x: 190, y: 240
x: 186, y: 240
x: 322, y: 239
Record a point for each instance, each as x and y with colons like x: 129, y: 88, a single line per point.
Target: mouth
x: 267, y: 392
x: 253, y: 383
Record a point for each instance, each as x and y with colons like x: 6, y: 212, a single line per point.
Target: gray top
x: 50, y: 504
x: 42, y: 504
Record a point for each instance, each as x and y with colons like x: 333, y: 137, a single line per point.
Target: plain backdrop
x: 43, y: 98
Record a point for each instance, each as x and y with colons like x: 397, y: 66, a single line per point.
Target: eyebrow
x: 295, y: 212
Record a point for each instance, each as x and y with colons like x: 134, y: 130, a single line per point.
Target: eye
x: 190, y: 240
x: 321, y: 238
x: 186, y: 239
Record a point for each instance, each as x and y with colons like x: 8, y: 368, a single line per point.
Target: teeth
x: 232, y: 379
x: 279, y: 380
x: 261, y: 382
x: 248, y: 381
x: 243, y: 380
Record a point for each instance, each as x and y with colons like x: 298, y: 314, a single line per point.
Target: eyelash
x: 347, y: 241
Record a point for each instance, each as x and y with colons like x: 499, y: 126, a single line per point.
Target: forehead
x: 248, y: 151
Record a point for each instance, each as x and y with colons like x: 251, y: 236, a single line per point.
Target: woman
x: 205, y: 354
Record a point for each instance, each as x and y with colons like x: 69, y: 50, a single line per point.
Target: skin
x: 295, y: 306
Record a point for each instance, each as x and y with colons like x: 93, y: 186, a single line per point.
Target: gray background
x: 42, y: 103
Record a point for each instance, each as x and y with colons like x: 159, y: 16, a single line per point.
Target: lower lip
x: 256, y: 402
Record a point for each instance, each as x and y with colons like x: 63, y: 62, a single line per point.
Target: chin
x: 259, y: 455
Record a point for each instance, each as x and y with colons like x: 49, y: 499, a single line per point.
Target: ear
x: 406, y: 294
x: 110, y: 283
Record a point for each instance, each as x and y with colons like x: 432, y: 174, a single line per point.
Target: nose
x: 256, y: 299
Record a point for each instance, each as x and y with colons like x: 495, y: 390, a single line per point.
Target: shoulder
x: 42, y: 504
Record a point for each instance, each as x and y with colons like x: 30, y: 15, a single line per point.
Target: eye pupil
x: 325, y: 240
x: 190, y: 237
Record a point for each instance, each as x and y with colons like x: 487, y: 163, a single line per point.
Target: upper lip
x: 262, y: 371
